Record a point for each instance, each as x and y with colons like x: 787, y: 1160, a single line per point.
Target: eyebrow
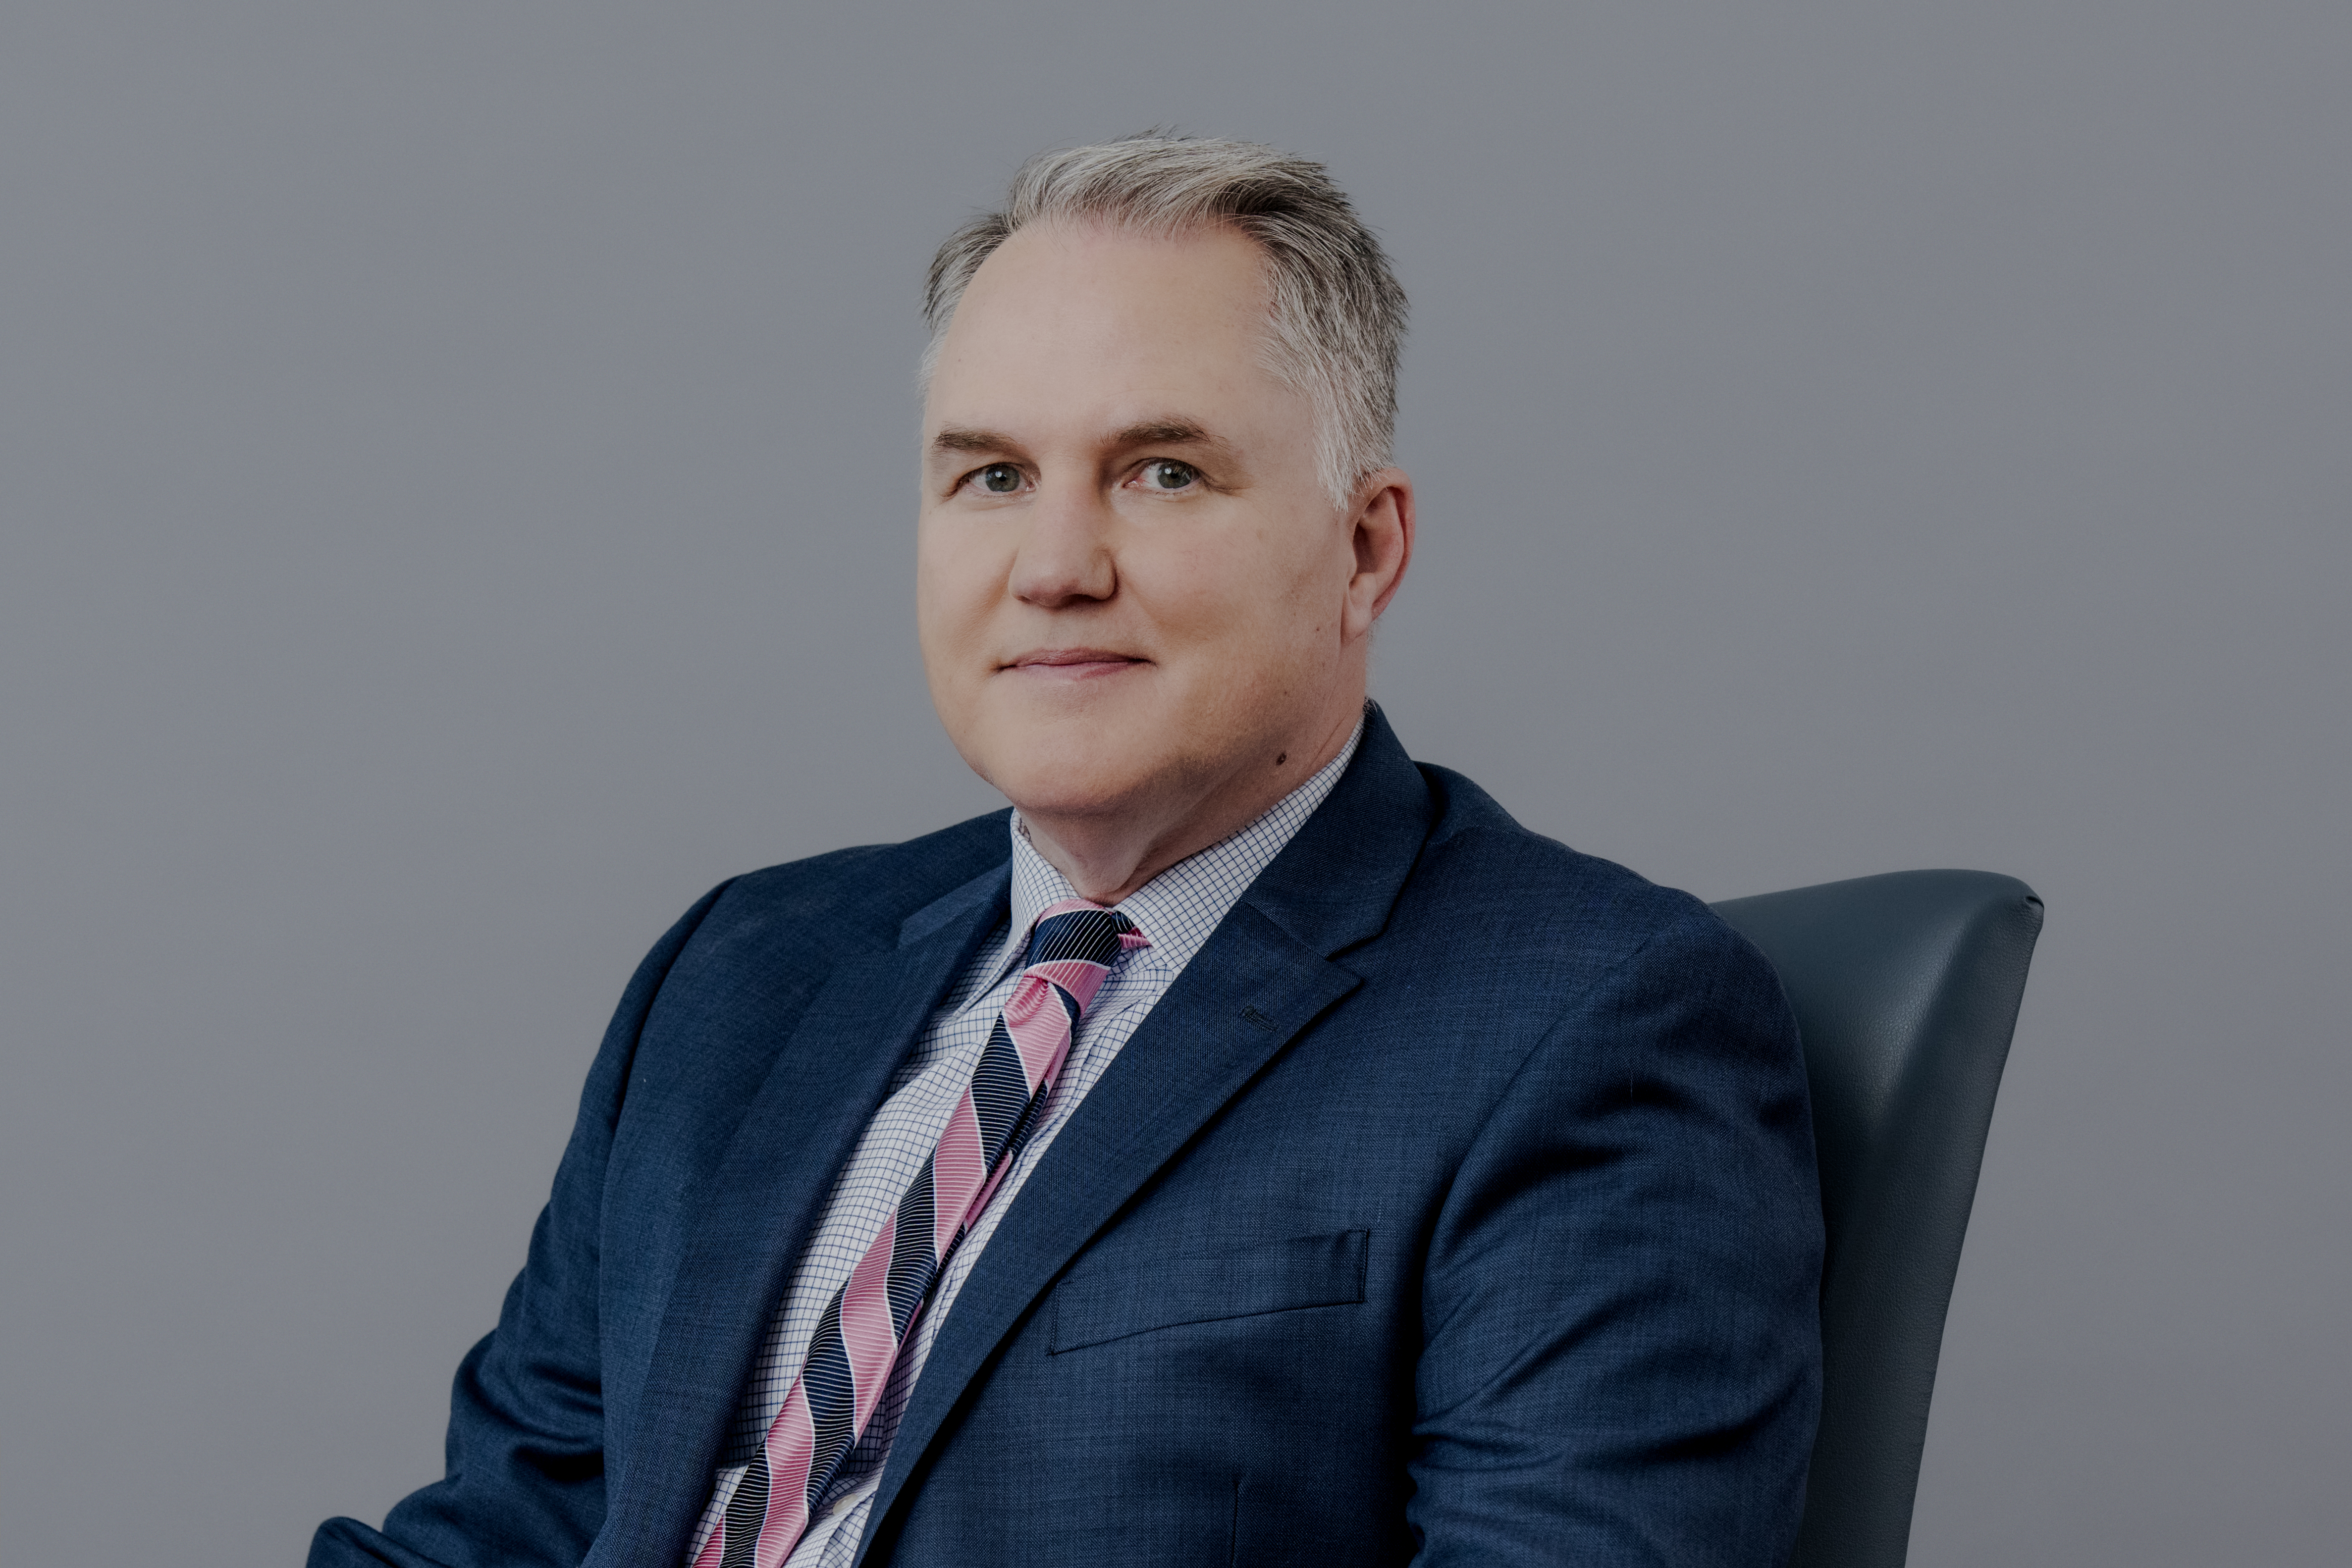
x: 959, y: 438
x: 1165, y: 433
x: 1145, y: 433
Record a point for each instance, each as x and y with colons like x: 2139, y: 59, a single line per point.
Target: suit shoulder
x: 1539, y: 893
x: 866, y: 889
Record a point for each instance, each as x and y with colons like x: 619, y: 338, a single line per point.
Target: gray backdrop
x: 456, y: 471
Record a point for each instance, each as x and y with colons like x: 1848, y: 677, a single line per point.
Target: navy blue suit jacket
x: 1458, y: 1199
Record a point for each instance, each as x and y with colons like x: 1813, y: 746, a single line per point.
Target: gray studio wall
x: 456, y: 508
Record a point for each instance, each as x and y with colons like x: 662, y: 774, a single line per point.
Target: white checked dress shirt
x: 1177, y: 909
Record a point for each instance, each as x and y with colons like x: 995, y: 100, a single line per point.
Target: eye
x: 1165, y: 474
x: 996, y: 479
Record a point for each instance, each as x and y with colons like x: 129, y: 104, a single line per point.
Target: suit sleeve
x: 1620, y: 1357
x: 525, y: 1482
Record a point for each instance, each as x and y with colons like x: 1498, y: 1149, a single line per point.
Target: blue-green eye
x: 1167, y: 473
x: 999, y: 478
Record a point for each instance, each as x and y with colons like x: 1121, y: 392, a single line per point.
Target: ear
x: 1381, y: 531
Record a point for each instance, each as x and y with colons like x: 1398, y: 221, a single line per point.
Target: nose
x: 1064, y: 556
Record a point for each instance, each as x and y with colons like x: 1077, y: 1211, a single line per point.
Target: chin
x: 1043, y: 791
x: 1066, y: 769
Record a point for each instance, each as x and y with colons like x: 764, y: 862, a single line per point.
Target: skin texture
x: 1142, y: 618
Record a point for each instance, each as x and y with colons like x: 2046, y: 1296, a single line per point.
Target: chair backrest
x: 1906, y: 988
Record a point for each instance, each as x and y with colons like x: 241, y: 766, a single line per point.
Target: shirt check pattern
x: 1177, y: 909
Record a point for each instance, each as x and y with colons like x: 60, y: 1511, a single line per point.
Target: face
x: 1132, y: 589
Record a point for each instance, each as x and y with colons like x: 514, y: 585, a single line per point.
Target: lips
x: 1072, y: 663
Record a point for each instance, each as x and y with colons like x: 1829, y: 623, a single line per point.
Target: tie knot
x: 1088, y: 932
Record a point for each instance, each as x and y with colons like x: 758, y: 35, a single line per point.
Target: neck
x: 1108, y: 856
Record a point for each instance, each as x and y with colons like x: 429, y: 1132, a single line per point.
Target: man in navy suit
x: 1254, y: 1148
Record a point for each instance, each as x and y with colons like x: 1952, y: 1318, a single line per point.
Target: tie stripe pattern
x: 1071, y: 951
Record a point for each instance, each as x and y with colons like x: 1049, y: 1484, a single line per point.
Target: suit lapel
x: 753, y: 1215
x: 1261, y: 980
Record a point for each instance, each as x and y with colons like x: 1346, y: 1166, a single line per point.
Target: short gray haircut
x: 1338, y: 316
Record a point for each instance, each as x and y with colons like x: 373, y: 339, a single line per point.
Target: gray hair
x: 1337, y: 314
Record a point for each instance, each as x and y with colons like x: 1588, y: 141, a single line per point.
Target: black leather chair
x: 1906, y: 988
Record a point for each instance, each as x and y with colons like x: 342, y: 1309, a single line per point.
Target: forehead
x: 1060, y: 314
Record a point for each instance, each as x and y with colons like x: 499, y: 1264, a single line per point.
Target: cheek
x: 952, y: 590
x: 1247, y: 598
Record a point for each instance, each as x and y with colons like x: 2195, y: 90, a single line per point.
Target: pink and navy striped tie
x: 1071, y: 950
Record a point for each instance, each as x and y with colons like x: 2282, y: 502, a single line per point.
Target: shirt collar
x: 1182, y: 905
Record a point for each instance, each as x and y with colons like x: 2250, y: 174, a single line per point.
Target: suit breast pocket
x: 1097, y: 1305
